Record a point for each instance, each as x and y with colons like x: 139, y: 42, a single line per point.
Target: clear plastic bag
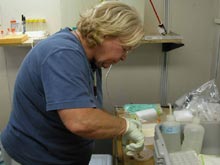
x: 203, y: 102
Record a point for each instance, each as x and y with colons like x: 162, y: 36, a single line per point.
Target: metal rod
x: 164, y: 68
x: 217, y: 60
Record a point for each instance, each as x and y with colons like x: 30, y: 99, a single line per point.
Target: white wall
x: 70, y: 10
x: 11, y: 57
x: 192, y: 65
x: 13, y: 9
x: 136, y: 80
x: 216, y: 62
x: 5, y: 103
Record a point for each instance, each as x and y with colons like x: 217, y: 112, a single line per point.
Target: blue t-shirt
x: 55, y: 74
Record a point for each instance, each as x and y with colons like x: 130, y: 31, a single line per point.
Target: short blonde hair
x: 114, y: 19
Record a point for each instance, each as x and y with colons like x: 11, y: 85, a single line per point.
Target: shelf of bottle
x: 26, y: 40
x: 217, y: 20
x: 32, y: 41
x: 169, y: 41
x: 158, y: 38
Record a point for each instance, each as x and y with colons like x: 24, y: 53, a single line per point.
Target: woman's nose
x: 123, y: 57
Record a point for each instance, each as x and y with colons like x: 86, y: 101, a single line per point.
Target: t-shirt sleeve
x: 66, y: 81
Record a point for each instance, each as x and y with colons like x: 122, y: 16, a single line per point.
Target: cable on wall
x: 106, y: 85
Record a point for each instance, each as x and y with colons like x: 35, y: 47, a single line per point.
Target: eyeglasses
x: 126, y: 50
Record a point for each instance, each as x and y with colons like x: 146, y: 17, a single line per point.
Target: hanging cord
x: 217, y: 61
x: 7, y: 75
x: 106, y: 85
x: 170, y: 109
x: 161, y: 27
x: 155, y: 12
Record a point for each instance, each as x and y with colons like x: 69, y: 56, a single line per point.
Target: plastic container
x: 171, y: 131
x: 42, y: 22
x: 211, y: 143
x: 13, y: 24
x: 193, y: 136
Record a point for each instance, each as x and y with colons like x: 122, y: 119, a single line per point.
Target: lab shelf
x: 28, y: 40
x: 217, y: 20
x: 169, y: 41
x: 13, y: 39
x: 28, y: 43
x: 32, y: 41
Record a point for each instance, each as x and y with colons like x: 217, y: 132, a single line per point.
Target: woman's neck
x: 89, y: 51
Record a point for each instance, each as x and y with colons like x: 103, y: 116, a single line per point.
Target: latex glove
x: 135, y: 136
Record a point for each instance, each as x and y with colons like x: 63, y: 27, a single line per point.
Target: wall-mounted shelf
x: 13, y: 39
x: 30, y: 42
x: 25, y: 40
x: 217, y: 20
x: 168, y: 38
x: 169, y: 41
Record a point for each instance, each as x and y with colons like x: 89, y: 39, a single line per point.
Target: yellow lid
x: 34, y: 20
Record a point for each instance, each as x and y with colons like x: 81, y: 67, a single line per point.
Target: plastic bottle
x: 171, y: 131
x: 193, y: 136
x: 13, y: 24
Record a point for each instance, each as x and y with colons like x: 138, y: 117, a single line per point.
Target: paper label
x: 170, y: 129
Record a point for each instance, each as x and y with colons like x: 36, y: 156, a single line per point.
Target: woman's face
x: 110, y: 52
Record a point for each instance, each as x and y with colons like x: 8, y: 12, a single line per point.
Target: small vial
x: 27, y: 24
x: 9, y: 31
x: 31, y: 24
x: 13, y: 25
x: 38, y: 24
x: 2, y: 33
x: 43, y: 24
x: 13, y: 30
x: 34, y: 24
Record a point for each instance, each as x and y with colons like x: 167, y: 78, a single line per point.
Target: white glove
x: 135, y: 136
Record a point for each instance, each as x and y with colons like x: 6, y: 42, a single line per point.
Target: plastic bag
x: 202, y: 102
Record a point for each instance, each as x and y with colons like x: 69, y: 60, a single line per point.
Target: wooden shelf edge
x: 28, y: 43
x: 217, y: 20
x: 168, y: 38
